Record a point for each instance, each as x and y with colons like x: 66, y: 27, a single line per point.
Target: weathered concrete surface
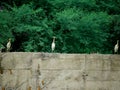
x: 59, y: 71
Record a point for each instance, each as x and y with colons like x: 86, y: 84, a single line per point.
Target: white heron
x: 116, y: 47
x: 8, y: 44
x: 53, y: 44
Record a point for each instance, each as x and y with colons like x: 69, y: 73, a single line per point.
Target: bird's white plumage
x: 8, y: 45
x: 116, y: 47
x: 53, y: 44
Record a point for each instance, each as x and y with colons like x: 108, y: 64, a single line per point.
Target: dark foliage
x: 80, y: 26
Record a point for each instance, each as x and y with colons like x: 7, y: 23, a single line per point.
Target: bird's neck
x: 117, y: 42
x: 9, y: 41
x: 53, y: 39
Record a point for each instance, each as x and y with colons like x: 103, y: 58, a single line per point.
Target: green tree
x: 5, y: 30
x: 31, y: 28
x: 82, y: 32
x: 80, y: 26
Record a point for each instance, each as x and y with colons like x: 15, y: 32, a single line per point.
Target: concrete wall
x: 28, y: 71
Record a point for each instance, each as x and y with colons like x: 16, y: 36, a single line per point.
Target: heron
x: 8, y: 44
x: 53, y: 44
x: 116, y: 47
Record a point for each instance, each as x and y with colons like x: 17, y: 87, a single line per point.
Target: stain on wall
x: 55, y: 71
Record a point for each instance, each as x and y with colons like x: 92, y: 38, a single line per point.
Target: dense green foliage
x: 80, y: 26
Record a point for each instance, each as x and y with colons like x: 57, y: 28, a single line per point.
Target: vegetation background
x: 80, y: 26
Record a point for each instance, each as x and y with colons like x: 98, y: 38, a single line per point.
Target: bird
x: 8, y: 45
x: 116, y: 47
x: 53, y: 44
